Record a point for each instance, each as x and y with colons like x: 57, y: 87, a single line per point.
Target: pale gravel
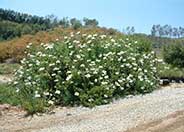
x: 117, y: 116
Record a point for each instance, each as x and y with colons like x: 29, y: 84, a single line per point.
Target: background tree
x: 65, y: 23
x: 90, y: 22
x: 75, y: 23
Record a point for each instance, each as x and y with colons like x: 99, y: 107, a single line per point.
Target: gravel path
x: 115, y: 117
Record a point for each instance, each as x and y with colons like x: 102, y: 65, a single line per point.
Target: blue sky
x: 141, y: 14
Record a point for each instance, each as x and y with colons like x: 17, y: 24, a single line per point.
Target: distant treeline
x: 15, y: 24
x: 167, y: 31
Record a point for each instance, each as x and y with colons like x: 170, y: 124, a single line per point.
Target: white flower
x: 23, y: 61
x: 57, y: 92
x: 58, y: 61
x: 121, y: 53
x: 53, y: 74
x: 141, y: 79
x: 29, y: 78
x: 42, y: 68
x: 17, y: 90
x: 97, y: 60
x: 95, y: 72
x: 37, y: 62
x: 53, y: 64
x: 104, y: 83
x: 46, y: 93
x: 89, y: 42
x: 117, y: 84
x: 30, y: 65
x: 78, y: 56
x: 88, y: 75
x: 68, y: 72
x: 28, y: 83
x: 37, y: 95
x: 82, y: 65
x: 122, y: 88
x: 56, y: 80
x: 71, y: 46
x: 69, y: 77
x: 122, y: 66
x: 104, y: 72
x: 90, y: 100
x: 100, y: 78
x: 120, y: 80
x: 106, y: 96
x: 112, y: 40
x: 76, y: 93
x: 89, y: 36
x: 100, y: 67
x: 15, y: 82
x: 103, y: 36
x: 124, y: 60
x: 78, y: 33
x: 51, y: 102
x: 128, y: 65
x: 95, y: 80
x: 89, y: 49
x: 28, y: 46
x: 49, y: 46
x: 106, y: 77
x: 56, y: 69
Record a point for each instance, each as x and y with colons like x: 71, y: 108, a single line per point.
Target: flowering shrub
x: 85, y: 69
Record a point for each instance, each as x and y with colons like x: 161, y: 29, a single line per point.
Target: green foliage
x: 168, y: 71
x: 9, y: 30
x: 174, y: 54
x: 18, y: 17
x: 84, y: 69
x: 8, y: 95
x: 14, y: 24
x: 144, y: 45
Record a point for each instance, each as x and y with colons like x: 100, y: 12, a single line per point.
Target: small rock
x: 68, y: 114
x: 10, y: 61
x: 164, y: 82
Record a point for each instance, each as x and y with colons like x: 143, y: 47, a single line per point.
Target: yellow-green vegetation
x: 8, y: 68
x: 15, y: 48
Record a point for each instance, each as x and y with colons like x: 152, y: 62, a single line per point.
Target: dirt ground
x: 172, y: 123
x: 12, y: 119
